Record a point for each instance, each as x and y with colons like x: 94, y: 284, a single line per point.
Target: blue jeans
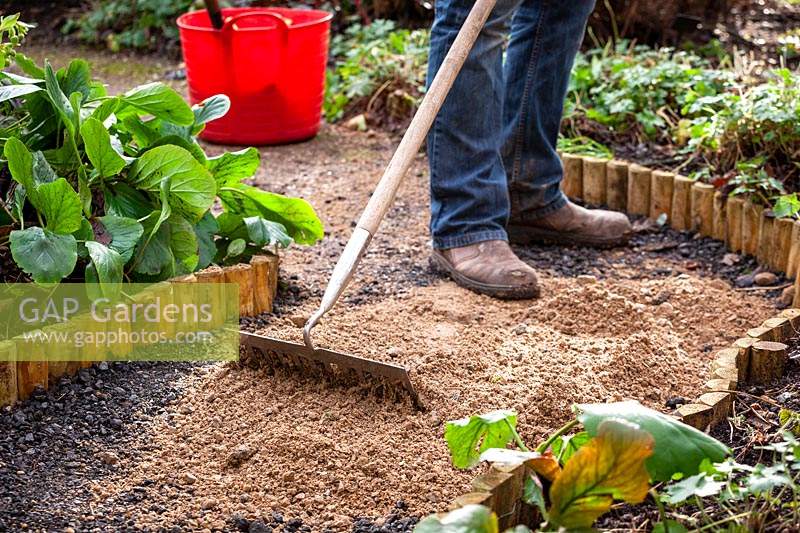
x: 492, y: 148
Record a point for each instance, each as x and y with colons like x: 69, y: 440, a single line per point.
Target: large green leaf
x: 97, y: 142
x: 678, y: 448
x: 191, y: 187
x: 60, y: 205
x: 46, y: 256
x: 75, y: 78
x: 20, y: 162
x: 143, y: 133
x: 205, y: 230
x: 295, y: 214
x: 467, y: 519
x: 468, y: 438
x: 211, y: 108
x: 232, y: 167
x: 42, y: 171
x: 191, y: 146
x: 183, y: 243
x: 7, y: 92
x: 161, y: 101
x: 59, y: 100
x: 153, y: 256
x: 125, y: 233
x: 84, y: 234
x: 255, y: 230
x: 105, y: 269
x: 124, y: 201
x: 105, y: 108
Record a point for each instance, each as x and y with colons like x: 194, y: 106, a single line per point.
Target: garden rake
x: 383, y: 378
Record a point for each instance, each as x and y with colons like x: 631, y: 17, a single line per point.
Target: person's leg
x: 545, y: 36
x: 469, y: 194
x: 469, y: 191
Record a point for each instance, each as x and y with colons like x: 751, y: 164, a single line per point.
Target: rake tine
x: 373, y: 377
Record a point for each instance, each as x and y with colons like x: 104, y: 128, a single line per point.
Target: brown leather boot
x: 490, y: 268
x: 573, y: 224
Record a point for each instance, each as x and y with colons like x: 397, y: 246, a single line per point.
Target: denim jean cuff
x: 444, y: 243
x: 540, y: 212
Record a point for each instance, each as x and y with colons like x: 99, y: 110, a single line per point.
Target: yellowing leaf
x: 609, y: 467
x: 546, y: 466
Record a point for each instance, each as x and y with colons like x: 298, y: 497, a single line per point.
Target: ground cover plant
x: 378, y: 70
x: 111, y: 188
x: 139, y: 25
x: 627, y: 453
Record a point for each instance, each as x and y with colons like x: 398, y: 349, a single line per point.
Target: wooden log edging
x: 743, y: 225
x: 258, y: 283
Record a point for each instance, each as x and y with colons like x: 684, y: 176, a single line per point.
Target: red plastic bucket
x: 270, y: 63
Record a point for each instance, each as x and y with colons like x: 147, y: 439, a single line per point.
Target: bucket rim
x: 325, y: 17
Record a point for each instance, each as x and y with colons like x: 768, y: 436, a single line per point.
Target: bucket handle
x: 230, y: 22
x: 283, y: 28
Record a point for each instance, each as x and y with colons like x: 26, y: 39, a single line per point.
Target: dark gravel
x: 77, y: 431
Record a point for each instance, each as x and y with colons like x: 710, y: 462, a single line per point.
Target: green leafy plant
x: 638, y: 92
x: 377, y: 65
x: 112, y: 188
x: 577, y: 477
x: 12, y: 32
x: 584, y: 146
x: 141, y: 24
x: 737, y: 497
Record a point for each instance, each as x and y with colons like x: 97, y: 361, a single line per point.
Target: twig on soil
x: 759, y: 398
x: 773, y: 288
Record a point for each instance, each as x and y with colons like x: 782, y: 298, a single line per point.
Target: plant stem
x: 712, y: 525
x: 552, y: 438
x: 661, y: 513
x: 517, y: 438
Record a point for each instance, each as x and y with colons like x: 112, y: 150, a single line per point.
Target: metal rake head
x: 383, y: 379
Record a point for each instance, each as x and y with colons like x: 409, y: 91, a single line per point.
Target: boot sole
x: 532, y: 235
x: 504, y: 292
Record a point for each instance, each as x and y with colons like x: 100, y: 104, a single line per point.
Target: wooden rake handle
x: 383, y: 196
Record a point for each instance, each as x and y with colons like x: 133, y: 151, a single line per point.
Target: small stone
x: 666, y: 309
x: 242, y: 453
x: 785, y: 396
x: 108, y: 458
x: 244, y: 498
x: 521, y: 329
x: 187, y: 478
x: 298, y: 321
x: 730, y: 259
x: 676, y: 401
x: 208, y: 503
x: 393, y: 352
x: 357, y: 123
x: 258, y: 526
x: 787, y: 296
x: 744, y: 281
x: 765, y: 279
x: 586, y: 279
x: 102, y: 365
